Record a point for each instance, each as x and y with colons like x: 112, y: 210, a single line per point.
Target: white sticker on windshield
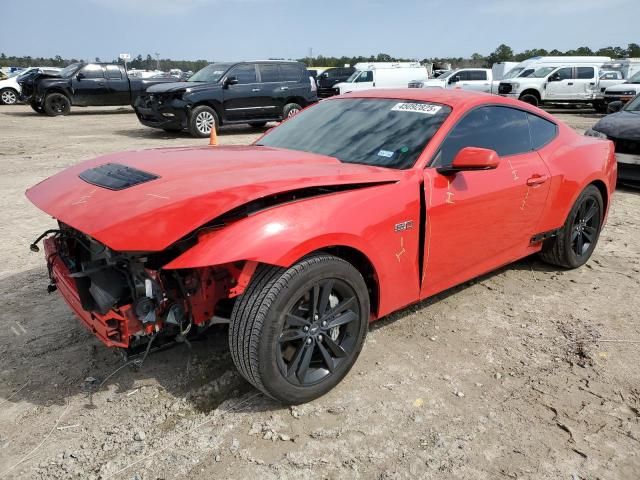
x: 427, y: 108
x: 385, y: 153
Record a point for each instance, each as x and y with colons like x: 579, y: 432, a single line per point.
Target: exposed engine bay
x: 128, y: 300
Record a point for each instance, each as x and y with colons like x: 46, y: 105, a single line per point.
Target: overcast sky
x: 248, y: 29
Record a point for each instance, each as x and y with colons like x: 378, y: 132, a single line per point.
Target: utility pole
x: 157, y: 61
x: 310, y: 56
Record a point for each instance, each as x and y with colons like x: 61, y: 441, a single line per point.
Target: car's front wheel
x: 56, y: 104
x: 579, y: 235
x: 8, y: 96
x: 296, y: 332
x: 202, y: 120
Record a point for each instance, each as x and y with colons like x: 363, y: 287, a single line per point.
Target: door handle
x: 536, y: 180
x: 101, y: 84
x: 570, y: 83
x: 284, y: 88
x: 255, y: 89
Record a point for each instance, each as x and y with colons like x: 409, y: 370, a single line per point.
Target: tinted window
x: 369, y: 131
x: 477, y: 75
x: 114, y: 72
x: 92, y: 71
x: 463, y: 75
x: 586, y: 72
x: 505, y: 130
x: 290, y: 73
x: 332, y: 73
x: 565, y: 73
x: 244, y: 73
x: 542, y: 131
x: 269, y: 73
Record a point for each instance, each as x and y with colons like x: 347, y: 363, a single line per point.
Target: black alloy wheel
x: 320, y: 330
x: 586, y: 226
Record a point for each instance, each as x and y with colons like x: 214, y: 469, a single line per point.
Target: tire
x: 290, y: 109
x: 274, y: 361
x: 37, y: 108
x: 8, y: 96
x: 56, y: 104
x: 257, y: 124
x: 530, y: 98
x: 600, y: 107
x: 200, y: 121
x: 579, y: 233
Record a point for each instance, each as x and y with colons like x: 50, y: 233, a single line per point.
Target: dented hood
x: 193, y: 186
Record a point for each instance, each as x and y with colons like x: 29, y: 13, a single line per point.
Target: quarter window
x: 244, y: 73
x: 503, y: 129
x: 542, y: 131
x: 269, y: 73
x: 290, y: 73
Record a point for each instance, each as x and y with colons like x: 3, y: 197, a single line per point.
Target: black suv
x: 327, y: 79
x: 226, y: 93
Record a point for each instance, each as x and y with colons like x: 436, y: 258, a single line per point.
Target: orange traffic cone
x: 213, y: 137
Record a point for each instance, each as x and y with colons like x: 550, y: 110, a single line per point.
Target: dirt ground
x: 529, y: 372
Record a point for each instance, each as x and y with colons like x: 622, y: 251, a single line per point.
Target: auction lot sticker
x: 427, y: 108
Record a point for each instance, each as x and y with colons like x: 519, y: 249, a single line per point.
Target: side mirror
x: 615, y: 106
x: 230, y: 81
x: 472, y: 158
x: 554, y: 78
x: 454, y: 79
x: 80, y: 76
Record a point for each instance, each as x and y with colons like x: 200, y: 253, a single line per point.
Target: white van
x: 382, y: 75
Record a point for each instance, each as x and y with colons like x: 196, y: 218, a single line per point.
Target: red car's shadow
x: 48, y: 356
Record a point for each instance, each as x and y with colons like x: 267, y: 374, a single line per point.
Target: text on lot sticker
x: 427, y: 108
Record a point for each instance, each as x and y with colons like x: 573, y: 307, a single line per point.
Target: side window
x: 290, y: 72
x: 332, y: 73
x: 269, y: 73
x: 565, y: 73
x: 463, y: 75
x: 477, y: 75
x: 113, y: 72
x: 586, y: 72
x: 365, y: 76
x: 542, y: 131
x: 244, y: 73
x: 503, y: 129
x: 92, y: 71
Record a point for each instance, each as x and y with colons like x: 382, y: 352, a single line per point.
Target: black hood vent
x: 115, y: 176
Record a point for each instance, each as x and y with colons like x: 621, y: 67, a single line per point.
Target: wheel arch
x: 531, y: 91
x: 217, y: 107
x: 602, y: 187
x: 295, y: 99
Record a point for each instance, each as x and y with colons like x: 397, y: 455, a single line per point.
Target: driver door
x: 90, y: 87
x: 242, y: 100
x: 560, y: 84
x: 479, y: 220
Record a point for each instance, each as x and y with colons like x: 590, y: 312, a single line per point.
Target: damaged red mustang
x: 356, y: 207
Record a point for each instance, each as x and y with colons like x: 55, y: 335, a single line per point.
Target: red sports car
x: 356, y: 207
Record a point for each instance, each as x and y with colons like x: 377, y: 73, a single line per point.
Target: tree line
x: 503, y: 53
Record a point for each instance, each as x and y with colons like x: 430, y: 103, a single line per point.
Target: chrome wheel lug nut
x: 319, y: 338
x: 315, y: 317
x: 324, y: 323
x: 306, y: 329
x: 308, y: 341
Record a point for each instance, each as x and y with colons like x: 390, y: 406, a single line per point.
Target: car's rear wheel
x: 579, y: 235
x: 56, y: 104
x: 8, y: 96
x: 530, y: 98
x: 291, y: 109
x: 202, y: 119
x: 296, y: 332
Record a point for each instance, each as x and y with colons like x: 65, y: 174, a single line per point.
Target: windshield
x: 369, y: 131
x: 69, y: 70
x: 23, y: 72
x: 513, y: 73
x: 635, y: 78
x: 211, y: 73
x: 633, y: 105
x: 542, y: 72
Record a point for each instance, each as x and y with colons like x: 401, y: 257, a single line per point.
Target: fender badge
x: 403, y: 226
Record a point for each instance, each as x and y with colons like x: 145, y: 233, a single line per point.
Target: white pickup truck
x: 476, y: 79
x: 566, y: 83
